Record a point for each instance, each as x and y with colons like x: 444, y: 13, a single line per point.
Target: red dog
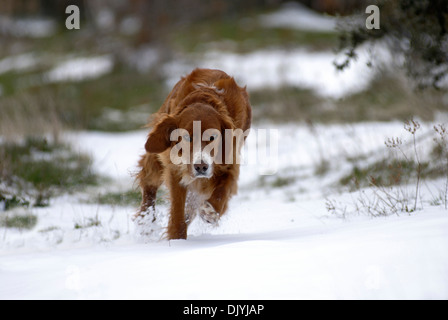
x: 200, y: 110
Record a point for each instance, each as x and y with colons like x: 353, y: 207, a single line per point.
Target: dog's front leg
x: 177, y: 227
x: 216, y: 205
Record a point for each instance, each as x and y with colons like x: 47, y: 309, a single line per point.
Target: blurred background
x: 119, y: 66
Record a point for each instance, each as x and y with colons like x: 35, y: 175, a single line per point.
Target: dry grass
x: 394, y: 184
x: 29, y: 115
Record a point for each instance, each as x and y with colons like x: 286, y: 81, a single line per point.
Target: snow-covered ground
x: 78, y: 69
x: 395, y: 258
x: 297, y: 16
x: 27, y: 27
x: 274, y: 243
x: 20, y: 62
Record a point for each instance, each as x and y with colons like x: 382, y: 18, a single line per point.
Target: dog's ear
x: 227, y: 140
x: 159, y: 138
x: 226, y: 123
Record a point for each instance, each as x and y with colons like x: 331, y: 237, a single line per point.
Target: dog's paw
x: 146, y: 225
x: 208, y: 213
x: 189, y: 217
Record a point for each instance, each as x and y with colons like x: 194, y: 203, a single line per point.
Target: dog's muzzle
x: 202, y: 165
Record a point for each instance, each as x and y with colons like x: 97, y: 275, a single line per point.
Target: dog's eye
x: 187, y: 137
x: 213, y: 137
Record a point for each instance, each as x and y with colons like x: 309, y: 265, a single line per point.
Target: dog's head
x: 195, y: 138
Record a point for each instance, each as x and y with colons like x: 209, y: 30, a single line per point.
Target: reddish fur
x: 214, y: 98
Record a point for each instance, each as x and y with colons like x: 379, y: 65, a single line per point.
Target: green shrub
x: 33, y: 171
x: 19, y: 221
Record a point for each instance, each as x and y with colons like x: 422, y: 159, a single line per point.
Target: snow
x: 19, y: 62
x: 297, y: 16
x: 267, y: 246
x: 115, y: 154
x: 274, y: 68
x: 398, y: 257
x: 27, y: 27
x: 81, y: 68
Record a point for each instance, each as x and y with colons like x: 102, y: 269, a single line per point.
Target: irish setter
x: 189, y: 148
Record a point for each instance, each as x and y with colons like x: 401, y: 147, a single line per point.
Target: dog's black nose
x: 201, y: 168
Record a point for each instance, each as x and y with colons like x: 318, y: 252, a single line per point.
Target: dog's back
x: 195, y: 87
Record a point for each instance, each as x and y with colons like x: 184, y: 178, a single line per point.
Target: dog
x: 192, y: 148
